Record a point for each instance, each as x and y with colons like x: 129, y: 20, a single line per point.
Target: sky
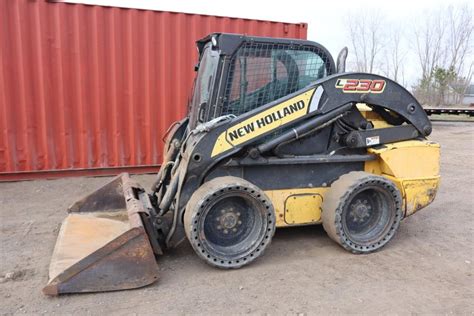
x: 327, y: 20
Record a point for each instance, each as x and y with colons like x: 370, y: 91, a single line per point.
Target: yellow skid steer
x: 277, y: 135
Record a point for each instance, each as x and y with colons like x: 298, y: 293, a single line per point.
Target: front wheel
x: 362, y: 211
x: 229, y: 222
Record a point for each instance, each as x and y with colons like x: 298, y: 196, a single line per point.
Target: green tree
x: 442, y: 81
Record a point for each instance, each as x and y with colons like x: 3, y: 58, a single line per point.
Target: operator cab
x: 237, y: 74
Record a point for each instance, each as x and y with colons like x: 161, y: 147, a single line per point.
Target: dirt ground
x: 426, y: 269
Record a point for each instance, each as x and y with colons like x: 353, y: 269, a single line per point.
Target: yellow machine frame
x: 412, y: 165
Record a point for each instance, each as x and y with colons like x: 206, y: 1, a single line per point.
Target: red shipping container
x: 91, y: 89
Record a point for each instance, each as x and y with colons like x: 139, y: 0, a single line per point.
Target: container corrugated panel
x: 92, y: 90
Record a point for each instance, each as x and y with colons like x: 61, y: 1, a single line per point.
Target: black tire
x: 362, y: 211
x: 229, y: 222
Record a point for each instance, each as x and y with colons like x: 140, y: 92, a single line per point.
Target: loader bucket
x: 102, y: 244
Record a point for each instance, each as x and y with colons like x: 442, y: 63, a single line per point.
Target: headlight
x: 214, y: 41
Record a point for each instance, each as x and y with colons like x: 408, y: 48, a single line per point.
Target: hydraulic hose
x: 169, y: 196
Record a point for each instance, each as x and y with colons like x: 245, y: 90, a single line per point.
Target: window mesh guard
x: 260, y: 73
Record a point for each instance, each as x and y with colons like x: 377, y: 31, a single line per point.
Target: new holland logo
x: 265, y: 121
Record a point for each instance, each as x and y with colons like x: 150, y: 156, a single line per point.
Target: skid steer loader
x: 277, y: 135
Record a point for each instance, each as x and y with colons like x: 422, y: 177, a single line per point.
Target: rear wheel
x: 229, y: 222
x: 362, y: 212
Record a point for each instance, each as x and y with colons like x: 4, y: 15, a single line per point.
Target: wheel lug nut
x: 225, y: 231
x: 239, y: 222
x: 219, y: 227
x: 234, y: 229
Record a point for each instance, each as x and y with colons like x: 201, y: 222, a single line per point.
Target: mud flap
x: 102, y: 244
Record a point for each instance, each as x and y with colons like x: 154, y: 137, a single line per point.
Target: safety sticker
x: 371, y: 141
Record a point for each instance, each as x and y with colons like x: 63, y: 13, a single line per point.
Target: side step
x: 102, y: 244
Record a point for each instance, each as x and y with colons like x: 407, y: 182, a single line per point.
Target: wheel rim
x: 368, y: 216
x: 233, y: 225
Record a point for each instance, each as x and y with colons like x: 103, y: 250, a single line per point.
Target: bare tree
x: 395, y: 54
x: 377, y: 45
x: 443, y: 45
x: 429, y: 35
x: 366, y: 36
x: 459, y: 48
x: 460, y: 29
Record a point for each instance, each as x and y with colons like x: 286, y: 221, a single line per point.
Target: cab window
x: 260, y: 73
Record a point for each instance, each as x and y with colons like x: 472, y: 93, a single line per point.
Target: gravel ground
x: 427, y: 268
